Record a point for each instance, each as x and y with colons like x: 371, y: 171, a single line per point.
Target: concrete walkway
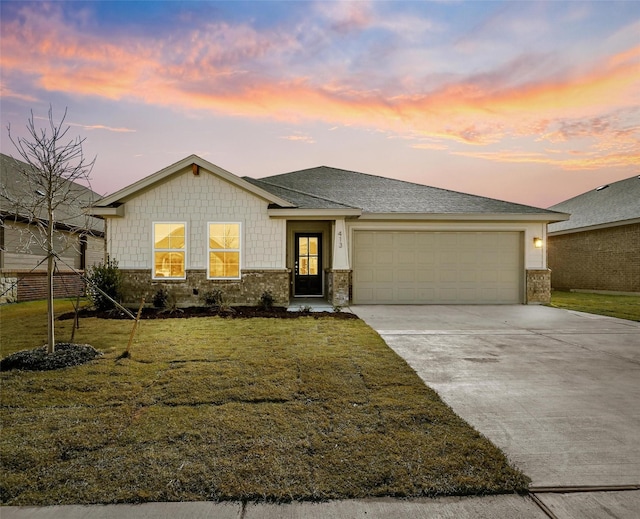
x: 558, y: 391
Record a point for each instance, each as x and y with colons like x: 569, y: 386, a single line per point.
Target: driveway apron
x: 558, y: 391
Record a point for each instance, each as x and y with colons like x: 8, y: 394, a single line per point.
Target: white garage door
x: 398, y: 267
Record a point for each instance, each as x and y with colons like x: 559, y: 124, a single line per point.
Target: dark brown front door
x: 308, y: 264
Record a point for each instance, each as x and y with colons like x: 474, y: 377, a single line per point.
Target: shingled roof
x: 14, y: 188
x: 617, y: 203
x: 325, y: 188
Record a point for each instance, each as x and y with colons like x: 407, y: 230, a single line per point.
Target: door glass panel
x: 313, y: 246
x: 313, y: 266
x: 304, y: 266
x: 303, y: 247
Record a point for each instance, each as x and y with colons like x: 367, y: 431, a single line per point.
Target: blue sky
x: 531, y: 102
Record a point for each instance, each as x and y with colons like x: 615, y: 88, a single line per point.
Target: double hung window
x: 169, y: 248
x: 224, y: 250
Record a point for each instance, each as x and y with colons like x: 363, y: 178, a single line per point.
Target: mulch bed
x: 65, y: 355
x: 237, y: 312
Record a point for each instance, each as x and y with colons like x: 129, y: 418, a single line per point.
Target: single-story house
x: 79, y: 240
x: 322, y: 232
x: 598, y: 248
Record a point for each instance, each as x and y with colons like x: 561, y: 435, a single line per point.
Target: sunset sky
x: 531, y: 102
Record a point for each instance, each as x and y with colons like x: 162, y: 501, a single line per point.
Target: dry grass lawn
x: 230, y: 409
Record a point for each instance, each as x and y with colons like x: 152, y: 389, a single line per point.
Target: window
x: 169, y: 250
x: 224, y: 251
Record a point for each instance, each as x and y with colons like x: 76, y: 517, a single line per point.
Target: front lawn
x: 623, y: 307
x: 230, y: 409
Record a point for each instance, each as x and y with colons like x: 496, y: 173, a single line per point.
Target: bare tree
x: 50, y: 192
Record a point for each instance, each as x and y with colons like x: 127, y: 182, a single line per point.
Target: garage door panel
x: 363, y: 276
x: 447, y: 275
x: 406, y: 275
x: 425, y: 276
x: 383, y: 257
x: 468, y: 276
x: 425, y: 294
x: 437, y: 267
x: 406, y: 257
x: 489, y: 276
x: 385, y: 275
x: 406, y: 294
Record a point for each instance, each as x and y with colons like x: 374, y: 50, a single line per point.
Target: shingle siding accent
x: 602, y: 259
x: 197, y: 201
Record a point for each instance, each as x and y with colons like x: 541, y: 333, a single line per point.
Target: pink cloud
x: 227, y: 69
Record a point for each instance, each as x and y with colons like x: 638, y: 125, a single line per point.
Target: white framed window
x: 224, y: 240
x: 169, y: 250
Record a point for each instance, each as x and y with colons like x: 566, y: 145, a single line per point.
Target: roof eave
x: 522, y: 217
x: 107, y: 212
x: 594, y: 227
x: 310, y: 214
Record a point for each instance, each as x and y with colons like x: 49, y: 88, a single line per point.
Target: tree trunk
x: 51, y: 344
x: 51, y: 340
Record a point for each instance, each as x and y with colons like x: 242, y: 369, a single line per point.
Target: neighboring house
x: 344, y: 236
x: 22, y: 269
x: 598, y: 248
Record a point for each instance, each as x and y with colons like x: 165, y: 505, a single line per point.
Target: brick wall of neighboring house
x: 33, y: 285
x: 602, y: 259
x: 137, y: 283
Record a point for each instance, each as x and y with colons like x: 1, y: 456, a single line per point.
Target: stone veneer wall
x: 601, y: 259
x: 538, y: 286
x: 190, y: 292
x: 8, y: 288
x: 338, y: 287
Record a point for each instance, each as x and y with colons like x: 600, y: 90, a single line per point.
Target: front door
x: 308, y: 264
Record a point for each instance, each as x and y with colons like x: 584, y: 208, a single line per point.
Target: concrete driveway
x: 557, y: 391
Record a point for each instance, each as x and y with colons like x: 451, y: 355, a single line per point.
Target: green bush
x: 161, y: 299
x: 213, y: 298
x: 266, y: 301
x: 104, y: 278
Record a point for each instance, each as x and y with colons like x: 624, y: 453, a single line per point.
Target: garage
x: 407, y: 267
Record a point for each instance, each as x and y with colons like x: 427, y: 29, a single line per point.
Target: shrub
x: 213, y: 298
x: 266, y: 301
x: 104, y: 278
x: 160, y: 298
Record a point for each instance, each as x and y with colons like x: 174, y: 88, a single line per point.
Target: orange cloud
x: 583, y: 161
x: 228, y: 69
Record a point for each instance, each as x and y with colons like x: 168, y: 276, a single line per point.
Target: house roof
x: 326, y: 187
x: 103, y: 206
x: 612, y: 204
x: 16, y: 191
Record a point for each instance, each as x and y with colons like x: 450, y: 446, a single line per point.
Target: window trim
x: 154, y: 250
x: 238, y: 250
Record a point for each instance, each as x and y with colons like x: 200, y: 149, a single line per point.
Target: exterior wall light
x: 537, y: 243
